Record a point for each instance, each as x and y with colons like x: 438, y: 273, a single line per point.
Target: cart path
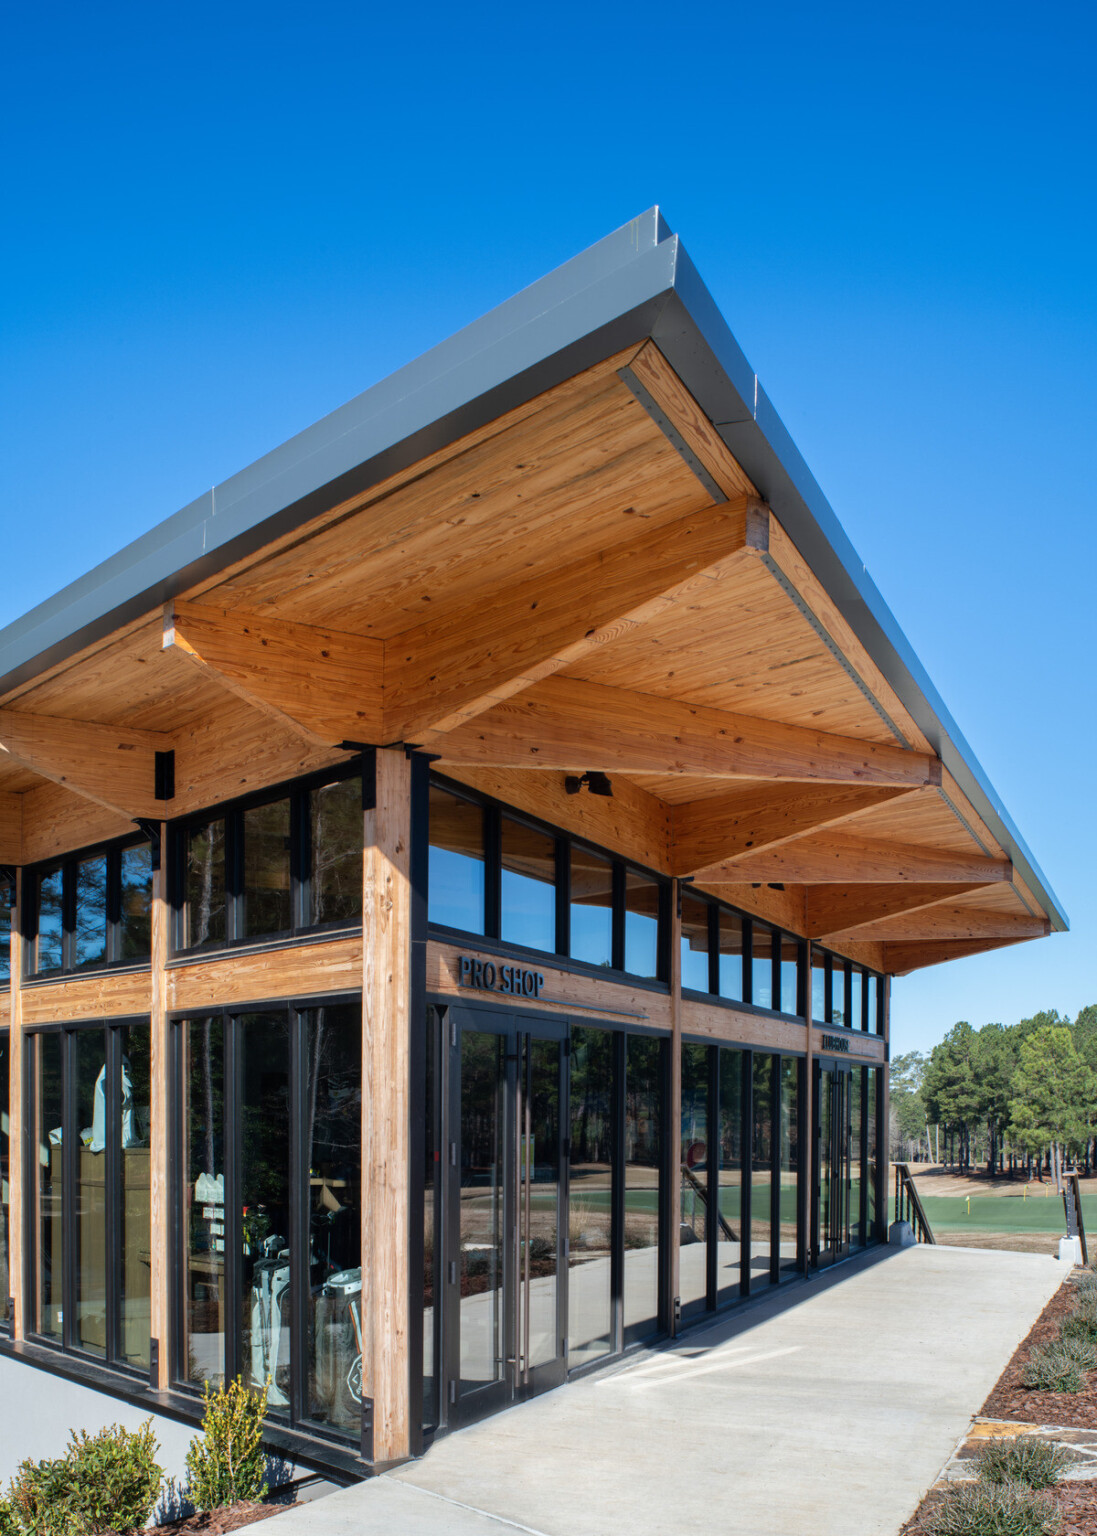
x: 831, y: 1416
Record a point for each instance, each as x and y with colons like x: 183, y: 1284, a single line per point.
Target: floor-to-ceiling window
x: 89, y: 1207
x: 5, y: 1176
x: 642, y: 1166
x: 590, y: 1190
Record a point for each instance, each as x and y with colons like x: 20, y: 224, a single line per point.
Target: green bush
x: 227, y: 1463
x: 8, y: 1527
x: 992, y: 1509
x: 1082, y: 1322
x: 1022, y: 1459
x: 1080, y: 1347
x: 1052, y: 1370
x: 107, y: 1482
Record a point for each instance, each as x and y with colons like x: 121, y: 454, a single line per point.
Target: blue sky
x: 221, y: 222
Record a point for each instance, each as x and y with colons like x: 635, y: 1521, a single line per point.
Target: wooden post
x: 807, y: 1120
x: 159, y: 1297
x: 386, y: 1130
x: 883, y: 1129
x: 16, y: 1133
x: 674, y: 1118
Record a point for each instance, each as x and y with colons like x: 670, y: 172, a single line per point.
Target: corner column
x: 674, y: 1117
x: 386, y: 1127
x: 17, y: 1268
x: 159, y: 1279
x: 807, y: 1120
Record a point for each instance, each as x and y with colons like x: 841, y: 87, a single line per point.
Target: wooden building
x: 457, y: 870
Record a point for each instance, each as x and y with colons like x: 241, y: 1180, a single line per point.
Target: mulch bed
x: 1077, y: 1503
x: 1011, y: 1400
x: 217, y: 1521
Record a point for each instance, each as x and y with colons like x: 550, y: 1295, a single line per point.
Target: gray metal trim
x: 636, y: 283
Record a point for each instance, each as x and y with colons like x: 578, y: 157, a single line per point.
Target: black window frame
x: 493, y: 813
x: 866, y: 1025
x: 110, y: 1029
x: 68, y: 864
x: 7, y: 1298
x: 232, y: 812
x: 749, y: 922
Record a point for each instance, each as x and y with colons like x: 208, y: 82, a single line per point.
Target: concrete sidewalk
x: 827, y: 1418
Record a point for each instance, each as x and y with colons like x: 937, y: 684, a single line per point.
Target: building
x: 457, y: 869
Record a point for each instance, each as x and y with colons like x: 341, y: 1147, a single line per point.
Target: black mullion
x: 669, y: 1170
x: 421, y: 1042
x: 300, y: 858
x: 177, y: 1163
x: 114, y: 902
x: 617, y: 1220
x: 113, y: 1172
x: 864, y: 1154
x: 68, y: 916
x: 663, y: 936
x: 69, y: 1164
x: 234, y: 1151
x: 828, y: 988
x: 747, y: 1144
x: 298, y: 1214
x: 235, y: 896
x: 712, y: 1176
x: 493, y: 871
x: 713, y: 948
x: 563, y: 896
x: 618, y: 915
x: 775, y: 1122
x: 775, y: 964
x: 748, y: 960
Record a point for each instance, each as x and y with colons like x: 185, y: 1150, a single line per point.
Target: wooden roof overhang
x: 588, y: 579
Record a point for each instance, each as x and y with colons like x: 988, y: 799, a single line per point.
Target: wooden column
x: 807, y: 1120
x: 386, y: 1130
x: 883, y: 1138
x: 16, y: 1165
x: 674, y: 1118
x: 160, y: 1313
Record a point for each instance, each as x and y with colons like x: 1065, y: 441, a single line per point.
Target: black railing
x: 697, y: 1187
x: 908, y: 1204
x: 1072, y: 1204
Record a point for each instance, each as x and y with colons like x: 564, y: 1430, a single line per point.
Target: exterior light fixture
x: 595, y: 783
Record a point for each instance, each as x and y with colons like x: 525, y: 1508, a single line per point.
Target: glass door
x: 505, y: 1260
x: 830, y: 1235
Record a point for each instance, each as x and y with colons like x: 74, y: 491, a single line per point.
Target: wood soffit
x: 569, y: 588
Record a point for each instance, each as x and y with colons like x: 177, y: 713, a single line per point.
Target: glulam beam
x: 11, y: 828
x: 324, y: 685
x: 845, y: 858
x: 955, y: 922
x: 902, y: 958
x: 832, y: 910
x: 114, y: 766
x: 563, y: 723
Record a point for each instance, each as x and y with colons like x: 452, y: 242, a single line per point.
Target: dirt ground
x: 1009, y: 1242
x: 933, y: 1179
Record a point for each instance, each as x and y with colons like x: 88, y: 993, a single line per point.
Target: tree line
x: 1016, y: 1096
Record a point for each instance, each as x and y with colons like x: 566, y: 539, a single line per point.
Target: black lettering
x: 466, y: 971
x: 527, y: 983
x: 489, y: 976
x: 538, y: 983
x: 478, y: 973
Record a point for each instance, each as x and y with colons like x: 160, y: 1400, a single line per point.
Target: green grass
x: 1004, y: 1213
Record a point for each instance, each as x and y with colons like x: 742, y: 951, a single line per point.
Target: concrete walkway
x: 828, y: 1418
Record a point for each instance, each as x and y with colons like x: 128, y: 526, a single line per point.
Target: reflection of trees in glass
x: 91, y: 911
x: 135, y: 904
x: 48, y: 947
x: 5, y: 937
x: 205, y: 884
x: 268, y: 905
x: 335, y: 814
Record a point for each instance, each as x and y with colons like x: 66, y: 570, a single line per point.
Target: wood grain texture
x: 902, y: 958
x: 104, y: 995
x: 843, y: 909
x: 563, y: 723
x: 11, y: 828
x: 674, y: 399
x: 56, y: 821
x: 563, y: 991
x: 847, y: 858
x: 113, y: 767
x: 447, y: 671
x: 956, y: 922
x: 319, y: 682
x: 730, y: 1026
x: 865, y: 1048
x: 386, y: 1127
x: 303, y: 970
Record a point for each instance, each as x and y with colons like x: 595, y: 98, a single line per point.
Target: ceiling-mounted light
x: 594, y: 783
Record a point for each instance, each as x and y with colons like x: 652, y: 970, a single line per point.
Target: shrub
x: 1082, y: 1322
x: 1024, y: 1459
x: 8, y: 1527
x: 1080, y: 1348
x: 104, y: 1482
x: 227, y: 1463
x: 992, y: 1509
x: 1052, y: 1370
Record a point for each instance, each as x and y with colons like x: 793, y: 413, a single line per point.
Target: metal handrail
x: 699, y: 1189
x: 1072, y: 1205
x: 908, y: 1204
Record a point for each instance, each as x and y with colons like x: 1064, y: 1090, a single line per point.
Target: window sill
x: 89, y: 973
x: 302, y: 940
x: 689, y: 996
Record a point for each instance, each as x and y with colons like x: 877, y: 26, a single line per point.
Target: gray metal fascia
x: 697, y: 342
x: 599, y: 302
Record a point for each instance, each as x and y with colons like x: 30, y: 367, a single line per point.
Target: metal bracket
x: 151, y: 829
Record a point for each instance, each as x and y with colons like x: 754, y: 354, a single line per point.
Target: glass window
x: 788, y: 1169
x: 91, y: 911
x: 480, y: 1215
x: 872, y: 1187
x: 731, y: 956
x: 856, y: 999
x: 694, y: 1179
x: 591, y: 907
x: 90, y: 1333
x: 48, y: 945
x: 264, y: 1273
x: 333, y: 1142
x: 695, y: 944
x: 204, y: 895
x: 856, y: 1147
x: 336, y: 829
x: 818, y: 985
x: 5, y: 938
x: 135, y: 907
x: 432, y: 1195
x: 268, y: 890
x: 135, y: 1101
x: 641, y: 925
x: 590, y: 1207
x: 528, y: 912
x: 48, y: 1309
x: 730, y: 1211
x: 839, y: 1009
x: 643, y: 1183
x: 761, y: 970
x: 203, y: 1118
x: 790, y: 973
x: 761, y: 1175
x: 872, y: 991
x: 5, y: 1172
x: 456, y: 877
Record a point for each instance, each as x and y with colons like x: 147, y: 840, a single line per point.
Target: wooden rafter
x: 845, y: 858
x: 441, y: 674
x: 563, y: 723
x: 114, y: 766
x: 837, y: 909
x: 955, y: 922
x: 324, y: 685
x: 11, y: 828
x: 900, y: 959
x: 710, y: 837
